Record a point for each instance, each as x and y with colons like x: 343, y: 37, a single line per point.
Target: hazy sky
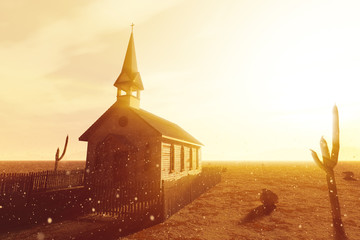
x: 252, y: 80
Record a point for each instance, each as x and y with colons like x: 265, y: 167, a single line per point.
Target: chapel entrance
x: 114, y: 161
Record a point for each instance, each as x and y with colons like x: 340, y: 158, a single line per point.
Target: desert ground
x: 303, y: 210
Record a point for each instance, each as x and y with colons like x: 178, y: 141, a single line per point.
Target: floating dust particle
x: 40, y: 236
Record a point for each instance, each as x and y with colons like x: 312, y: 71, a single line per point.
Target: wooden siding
x: 177, y: 157
x: 187, y: 158
x: 197, y: 158
x: 165, y: 159
x: 182, y: 159
x: 193, y: 160
x: 172, y: 159
x: 181, y: 153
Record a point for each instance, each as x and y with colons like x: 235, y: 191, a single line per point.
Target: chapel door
x: 114, y: 159
x: 121, y: 170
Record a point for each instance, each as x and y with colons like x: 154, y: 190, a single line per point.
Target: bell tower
x: 129, y: 82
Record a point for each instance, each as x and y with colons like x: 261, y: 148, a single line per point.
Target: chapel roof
x: 164, y: 127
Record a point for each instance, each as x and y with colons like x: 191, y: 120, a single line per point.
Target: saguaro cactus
x: 328, y: 164
x: 57, y: 158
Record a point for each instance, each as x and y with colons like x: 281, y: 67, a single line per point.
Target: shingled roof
x: 164, y: 127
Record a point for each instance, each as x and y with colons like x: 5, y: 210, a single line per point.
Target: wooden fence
x: 33, y: 197
x: 27, y: 198
x: 26, y: 183
x: 158, y: 200
x: 179, y: 193
x: 127, y: 200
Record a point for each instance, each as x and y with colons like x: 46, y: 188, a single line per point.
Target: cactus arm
x: 66, y: 143
x: 328, y: 163
x: 57, y: 158
x: 335, y: 137
x: 57, y: 155
x: 317, y: 160
x: 324, y: 148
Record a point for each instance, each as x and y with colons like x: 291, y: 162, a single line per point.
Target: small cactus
x: 328, y: 164
x: 57, y: 158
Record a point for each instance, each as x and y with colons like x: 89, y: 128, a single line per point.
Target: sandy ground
x: 303, y: 211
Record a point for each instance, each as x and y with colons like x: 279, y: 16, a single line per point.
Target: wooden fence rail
x: 155, y: 199
x: 15, y: 183
x: 127, y: 199
x: 177, y: 194
x: 30, y: 197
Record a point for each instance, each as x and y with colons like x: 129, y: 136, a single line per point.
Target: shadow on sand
x: 258, y: 213
x: 269, y: 199
x: 349, y: 176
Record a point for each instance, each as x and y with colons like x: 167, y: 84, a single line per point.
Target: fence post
x: 190, y: 187
x: 164, y: 206
x: 46, y: 180
x: 30, y: 187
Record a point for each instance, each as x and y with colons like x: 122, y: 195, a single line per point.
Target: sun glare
x: 233, y: 74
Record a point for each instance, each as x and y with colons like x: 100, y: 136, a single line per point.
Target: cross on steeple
x: 132, y: 27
